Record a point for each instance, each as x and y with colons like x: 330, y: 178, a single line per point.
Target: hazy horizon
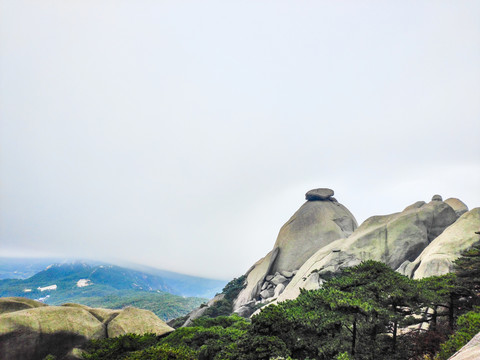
x: 183, y: 135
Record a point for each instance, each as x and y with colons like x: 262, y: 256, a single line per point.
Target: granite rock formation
x: 34, y: 332
x: 437, y: 258
x: 322, y: 238
x: 457, y: 205
x: 318, y: 222
x: 392, y: 239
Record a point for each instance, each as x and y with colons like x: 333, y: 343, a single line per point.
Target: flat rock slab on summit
x: 319, y: 194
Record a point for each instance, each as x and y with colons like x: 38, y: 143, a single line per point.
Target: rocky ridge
x: 322, y: 238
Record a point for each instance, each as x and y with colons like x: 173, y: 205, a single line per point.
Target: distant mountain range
x: 167, y: 294
x: 120, y: 277
x: 23, y: 268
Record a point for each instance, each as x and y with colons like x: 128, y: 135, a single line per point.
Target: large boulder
x: 32, y: 334
x: 39, y: 330
x: 138, y: 321
x: 437, y: 258
x: 392, y: 239
x: 102, y: 315
x: 317, y: 223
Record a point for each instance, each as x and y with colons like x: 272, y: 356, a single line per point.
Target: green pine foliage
x: 467, y: 271
x: 119, y: 347
x: 358, y: 312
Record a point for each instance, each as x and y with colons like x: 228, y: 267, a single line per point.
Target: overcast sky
x: 184, y: 134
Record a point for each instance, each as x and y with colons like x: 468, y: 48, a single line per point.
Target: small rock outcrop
x: 35, y: 332
x: 318, y: 222
x: 319, y: 194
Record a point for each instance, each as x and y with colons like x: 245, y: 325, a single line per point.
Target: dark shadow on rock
x: 25, y: 344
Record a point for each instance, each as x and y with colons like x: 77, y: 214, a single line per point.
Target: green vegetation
x: 367, y: 312
x: 224, y: 307
x: 206, y: 339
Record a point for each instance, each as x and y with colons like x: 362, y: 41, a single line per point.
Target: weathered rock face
x: 437, y: 258
x: 317, y: 223
x: 314, y: 225
x: 195, y: 314
x: 395, y: 238
x: 392, y: 239
x: 35, y: 333
x: 255, y: 278
x: 133, y: 320
x: 40, y: 330
x: 457, y: 205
